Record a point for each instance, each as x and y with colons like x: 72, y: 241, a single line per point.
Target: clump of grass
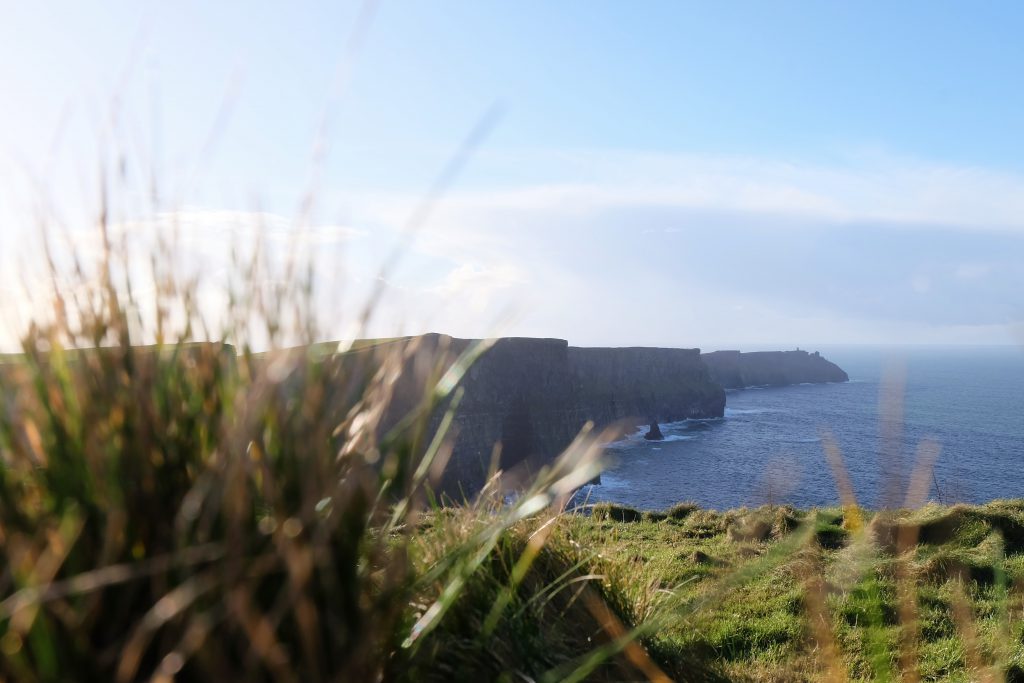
x: 536, y: 621
x: 681, y: 511
x: 654, y: 516
x: 751, y: 527
x: 829, y: 531
x: 785, y: 519
x: 616, y: 513
x: 760, y: 524
x: 193, y: 509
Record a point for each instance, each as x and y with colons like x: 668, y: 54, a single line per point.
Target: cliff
x: 734, y: 370
x: 525, y: 399
x: 643, y: 385
x: 532, y: 396
x: 519, y: 405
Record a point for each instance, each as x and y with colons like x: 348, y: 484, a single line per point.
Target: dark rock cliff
x: 734, y: 370
x: 644, y: 385
x: 524, y: 400
x: 518, y: 410
x: 532, y: 396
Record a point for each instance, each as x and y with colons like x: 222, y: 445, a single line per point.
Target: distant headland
x: 735, y: 370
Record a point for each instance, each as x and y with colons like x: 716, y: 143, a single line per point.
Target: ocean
x: 769, y: 446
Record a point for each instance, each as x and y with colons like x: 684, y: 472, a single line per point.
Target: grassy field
x: 777, y: 594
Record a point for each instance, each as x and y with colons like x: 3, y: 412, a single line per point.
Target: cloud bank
x: 618, y: 247
x: 663, y: 249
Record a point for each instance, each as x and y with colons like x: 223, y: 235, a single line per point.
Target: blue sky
x: 715, y: 174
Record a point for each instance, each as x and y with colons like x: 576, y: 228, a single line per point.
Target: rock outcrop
x: 519, y: 410
x: 654, y: 433
x: 735, y: 370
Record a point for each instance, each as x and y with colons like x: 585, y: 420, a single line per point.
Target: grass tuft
x: 615, y: 513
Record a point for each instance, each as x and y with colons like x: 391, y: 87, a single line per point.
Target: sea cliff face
x: 533, y: 396
x: 518, y: 410
x: 643, y: 385
x: 524, y: 400
x: 735, y: 370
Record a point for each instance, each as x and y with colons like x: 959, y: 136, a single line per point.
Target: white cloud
x: 922, y: 284
x: 857, y: 242
x: 616, y: 247
x: 877, y: 188
x: 194, y: 226
x: 475, y: 285
x: 973, y: 271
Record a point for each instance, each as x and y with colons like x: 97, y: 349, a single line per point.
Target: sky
x: 723, y: 175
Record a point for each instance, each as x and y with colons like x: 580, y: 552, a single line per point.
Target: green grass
x: 760, y: 628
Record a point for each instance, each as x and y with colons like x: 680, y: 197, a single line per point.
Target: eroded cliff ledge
x: 735, y: 370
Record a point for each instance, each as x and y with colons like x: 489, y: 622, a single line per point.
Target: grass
x: 829, y: 608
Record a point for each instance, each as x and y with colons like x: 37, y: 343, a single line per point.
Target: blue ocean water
x: 768, y: 447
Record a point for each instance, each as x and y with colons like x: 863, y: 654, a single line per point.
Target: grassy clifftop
x: 778, y: 594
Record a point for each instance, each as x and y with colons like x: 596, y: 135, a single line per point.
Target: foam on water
x: 733, y: 412
x: 676, y: 437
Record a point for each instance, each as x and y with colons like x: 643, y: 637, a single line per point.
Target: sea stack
x: 654, y: 433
